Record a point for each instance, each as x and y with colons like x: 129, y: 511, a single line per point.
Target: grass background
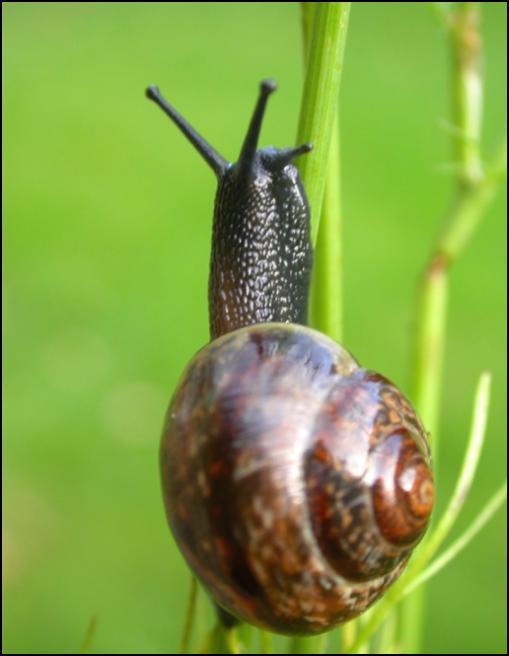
x: 107, y: 229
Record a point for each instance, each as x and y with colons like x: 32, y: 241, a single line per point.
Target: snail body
x: 260, y: 262
x: 296, y: 483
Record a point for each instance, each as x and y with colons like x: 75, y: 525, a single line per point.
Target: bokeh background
x: 107, y: 230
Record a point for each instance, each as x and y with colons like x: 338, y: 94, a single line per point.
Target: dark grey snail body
x: 260, y: 261
x: 261, y: 255
x: 296, y: 483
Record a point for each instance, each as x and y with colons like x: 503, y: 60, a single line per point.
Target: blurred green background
x: 107, y: 230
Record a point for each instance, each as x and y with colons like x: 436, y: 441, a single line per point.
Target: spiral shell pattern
x: 295, y: 482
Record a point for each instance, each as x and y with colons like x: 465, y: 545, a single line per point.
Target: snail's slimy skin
x: 260, y: 263
x: 295, y: 482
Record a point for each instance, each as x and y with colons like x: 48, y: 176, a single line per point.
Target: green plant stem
x: 326, y: 291
x: 470, y: 206
x: 221, y: 640
x: 429, y: 337
x: 465, y: 479
x: 326, y: 286
x: 307, y: 10
x: 409, y: 585
x: 265, y: 642
x: 320, y: 98
x: 89, y: 635
x: 441, y: 12
x: 496, y: 502
x: 467, y: 91
x: 308, y: 644
x: 387, y: 644
x: 348, y: 634
x: 190, y: 614
x: 465, y: 215
x: 364, y: 646
x: 473, y: 193
x: 429, y: 326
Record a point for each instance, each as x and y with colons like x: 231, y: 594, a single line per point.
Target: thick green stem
x: 307, y: 11
x: 326, y: 292
x: 326, y: 289
x: 320, y: 98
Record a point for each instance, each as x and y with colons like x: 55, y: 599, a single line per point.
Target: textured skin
x: 261, y: 253
x: 295, y: 482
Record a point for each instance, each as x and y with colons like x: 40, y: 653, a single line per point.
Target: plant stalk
x: 431, y: 305
x: 320, y: 98
x: 326, y: 290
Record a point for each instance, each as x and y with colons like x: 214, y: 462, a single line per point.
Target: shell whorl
x: 296, y: 483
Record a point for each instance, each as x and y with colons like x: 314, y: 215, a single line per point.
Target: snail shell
x: 296, y: 483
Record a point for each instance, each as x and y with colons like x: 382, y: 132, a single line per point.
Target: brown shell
x: 295, y: 482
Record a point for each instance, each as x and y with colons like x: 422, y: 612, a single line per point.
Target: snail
x: 296, y: 483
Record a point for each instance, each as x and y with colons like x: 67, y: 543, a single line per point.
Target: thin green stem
x: 473, y: 194
x: 190, y: 614
x: 467, y: 92
x: 265, y: 642
x: 429, y: 327
x: 441, y: 12
x: 221, y: 640
x: 496, y: 502
x: 232, y: 641
x: 362, y: 646
x: 380, y: 612
x: 474, y: 191
x: 348, y: 635
x: 89, y: 635
x: 320, y: 98
x: 470, y: 207
x: 426, y: 388
x: 308, y: 644
x: 465, y: 479
x: 388, y: 635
